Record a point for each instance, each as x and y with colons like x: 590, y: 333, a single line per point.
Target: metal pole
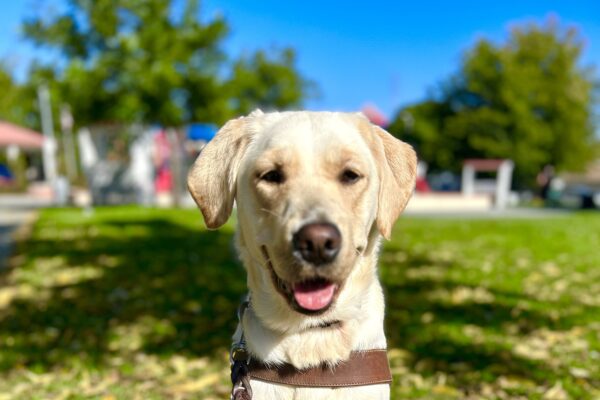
x: 468, y: 180
x: 49, y: 149
x: 66, y: 123
x: 503, y: 182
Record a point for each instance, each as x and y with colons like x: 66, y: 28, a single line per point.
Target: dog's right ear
x: 212, y: 179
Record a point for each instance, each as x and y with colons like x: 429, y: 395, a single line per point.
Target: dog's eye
x: 349, y: 177
x: 273, y: 176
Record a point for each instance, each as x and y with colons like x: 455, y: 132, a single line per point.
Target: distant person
x: 544, y: 181
x: 422, y: 186
x: 163, y: 180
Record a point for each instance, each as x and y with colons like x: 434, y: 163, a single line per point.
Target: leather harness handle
x: 368, y: 367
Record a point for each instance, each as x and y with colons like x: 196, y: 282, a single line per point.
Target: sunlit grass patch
x: 128, y: 302
x: 495, y: 308
x: 134, y: 302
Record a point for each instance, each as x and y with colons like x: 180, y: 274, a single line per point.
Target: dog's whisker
x: 271, y: 212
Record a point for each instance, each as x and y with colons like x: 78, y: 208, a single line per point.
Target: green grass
x: 133, y: 303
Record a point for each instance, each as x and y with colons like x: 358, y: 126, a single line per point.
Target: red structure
x: 18, y: 136
x: 374, y: 115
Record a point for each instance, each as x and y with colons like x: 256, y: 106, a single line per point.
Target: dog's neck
x: 276, y: 334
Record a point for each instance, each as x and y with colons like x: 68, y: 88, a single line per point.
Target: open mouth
x: 311, y: 296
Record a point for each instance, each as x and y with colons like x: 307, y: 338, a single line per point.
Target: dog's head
x: 313, y: 189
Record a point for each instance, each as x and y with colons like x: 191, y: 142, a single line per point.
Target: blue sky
x: 389, y: 53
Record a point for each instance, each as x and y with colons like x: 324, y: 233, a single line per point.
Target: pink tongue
x: 314, y: 295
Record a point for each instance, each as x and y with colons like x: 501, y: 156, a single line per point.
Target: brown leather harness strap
x: 368, y: 367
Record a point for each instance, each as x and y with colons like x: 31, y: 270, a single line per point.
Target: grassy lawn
x: 134, y: 303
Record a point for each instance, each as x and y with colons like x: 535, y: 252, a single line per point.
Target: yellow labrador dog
x: 315, y: 191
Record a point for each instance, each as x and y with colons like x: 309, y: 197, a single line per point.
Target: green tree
x: 528, y: 100
x: 133, y: 61
x: 267, y: 83
x: 13, y: 105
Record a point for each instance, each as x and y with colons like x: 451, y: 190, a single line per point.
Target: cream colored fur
x: 312, y: 148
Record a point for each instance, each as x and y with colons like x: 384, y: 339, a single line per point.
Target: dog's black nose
x: 318, y: 243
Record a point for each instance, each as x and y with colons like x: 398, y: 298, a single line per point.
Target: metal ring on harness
x: 239, y: 359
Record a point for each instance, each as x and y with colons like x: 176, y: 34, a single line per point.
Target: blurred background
x: 110, y: 286
x: 124, y: 95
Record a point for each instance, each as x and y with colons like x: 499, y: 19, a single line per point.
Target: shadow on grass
x: 182, y: 286
x: 414, y: 321
x: 186, y: 282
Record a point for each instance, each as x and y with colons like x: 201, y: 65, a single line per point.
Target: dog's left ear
x: 397, y: 165
x: 212, y: 179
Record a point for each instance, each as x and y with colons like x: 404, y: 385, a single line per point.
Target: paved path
x: 510, y: 213
x: 15, y: 210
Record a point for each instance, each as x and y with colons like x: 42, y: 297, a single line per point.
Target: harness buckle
x: 239, y: 359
